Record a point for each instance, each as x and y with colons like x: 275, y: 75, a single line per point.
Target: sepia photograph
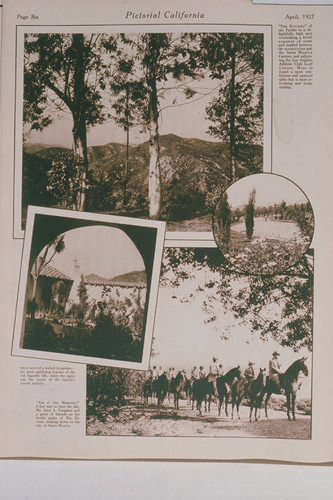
x: 263, y: 224
x: 149, y: 125
x: 90, y: 285
x: 231, y: 356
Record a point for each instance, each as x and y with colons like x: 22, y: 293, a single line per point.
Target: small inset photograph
x: 88, y: 288
x: 263, y: 224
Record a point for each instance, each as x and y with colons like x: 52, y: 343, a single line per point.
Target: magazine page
x: 165, y: 231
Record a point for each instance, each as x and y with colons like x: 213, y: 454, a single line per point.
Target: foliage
x: 65, y: 72
x: 222, y: 221
x: 249, y: 215
x: 266, y: 257
x: 83, y: 298
x: 35, y: 183
x: 64, y: 178
x: 40, y: 336
x: 55, y: 246
x: 279, y: 307
x: 236, y: 61
x: 108, y: 387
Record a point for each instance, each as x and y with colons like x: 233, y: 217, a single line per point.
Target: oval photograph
x: 263, y: 224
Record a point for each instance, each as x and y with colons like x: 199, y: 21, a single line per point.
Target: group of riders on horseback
x: 201, y: 386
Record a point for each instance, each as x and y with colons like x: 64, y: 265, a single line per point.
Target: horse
x: 147, y: 390
x: 160, y: 387
x: 222, y: 388
x: 289, y: 382
x: 202, y: 390
x: 237, y: 394
x: 188, y: 389
x: 254, y: 390
x: 176, y: 386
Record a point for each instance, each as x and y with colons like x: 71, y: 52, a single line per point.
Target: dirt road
x: 137, y: 419
x: 280, y: 230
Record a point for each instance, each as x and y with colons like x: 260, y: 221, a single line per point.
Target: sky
x: 269, y: 188
x: 114, y: 254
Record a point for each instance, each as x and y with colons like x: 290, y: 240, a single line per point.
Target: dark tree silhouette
x: 249, y: 215
x: 236, y: 60
x: 65, y: 72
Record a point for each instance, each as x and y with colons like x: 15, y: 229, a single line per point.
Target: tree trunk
x: 154, y: 183
x: 79, y: 119
x: 232, y: 118
x: 81, y: 155
x: 127, y: 148
x: 34, y: 288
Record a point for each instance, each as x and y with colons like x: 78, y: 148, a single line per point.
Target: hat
x: 251, y: 363
x: 275, y: 353
x: 214, y: 358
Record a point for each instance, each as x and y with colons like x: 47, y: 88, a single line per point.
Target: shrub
x: 40, y: 336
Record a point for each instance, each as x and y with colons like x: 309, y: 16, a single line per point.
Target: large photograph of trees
x: 149, y: 125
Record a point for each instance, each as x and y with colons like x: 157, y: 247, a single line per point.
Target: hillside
x: 193, y: 173
x: 133, y: 277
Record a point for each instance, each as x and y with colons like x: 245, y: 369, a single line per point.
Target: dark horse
x: 242, y: 387
x: 160, y: 387
x: 202, y: 390
x: 254, y: 390
x: 289, y: 382
x: 188, y: 389
x: 223, y: 385
x: 176, y: 386
x: 147, y: 390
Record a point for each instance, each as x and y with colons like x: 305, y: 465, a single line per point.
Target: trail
x: 137, y: 419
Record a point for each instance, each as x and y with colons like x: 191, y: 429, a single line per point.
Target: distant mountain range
x: 133, y: 277
x: 193, y: 171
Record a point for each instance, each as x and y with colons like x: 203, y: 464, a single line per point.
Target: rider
x: 249, y: 375
x: 220, y: 370
x: 202, y: 372
x: 170, y: 373
x: 274, y: 370
x: 213, y: 374
x: 155, y: 373
x: 194, y: 374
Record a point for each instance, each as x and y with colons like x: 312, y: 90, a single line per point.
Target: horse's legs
x: 266, y: 401
x: 288, y: 404
x: 238, y: 403
x: 232, y: 407
x: 293, y: 399
x: 226, y: 404
x: 251, y: 404
x: 258, y: 402
x: 219, y: 406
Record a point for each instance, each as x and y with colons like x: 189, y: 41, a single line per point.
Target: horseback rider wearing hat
x: 249, y: 375
x: 274, y: 368
x: 213, y: 374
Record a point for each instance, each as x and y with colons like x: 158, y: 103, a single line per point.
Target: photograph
x: 231, y: 357
x: 89, y: 286
x: 149, y: 125
x: 263, y: 224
